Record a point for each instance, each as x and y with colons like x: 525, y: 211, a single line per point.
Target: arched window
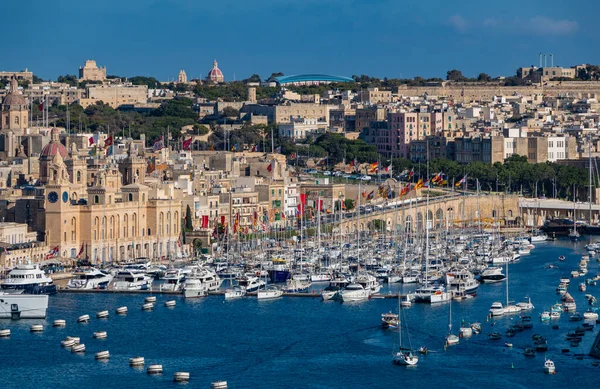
x: 78, y: 176
x: 143, y: 197
x: 96, y: 199
x: 494, y: 213
x: 510, y: 213
x: 16, y: 120
x: 130, y: 196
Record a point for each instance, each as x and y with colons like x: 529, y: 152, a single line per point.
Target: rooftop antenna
x: 540, y: 59
x: 551, y: 60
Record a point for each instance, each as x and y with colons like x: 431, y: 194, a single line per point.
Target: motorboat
x: 235, y: 292
x: 173, y: 280
x: 545, y: 316
x: 406, y: 358
x: 465, y: 330
x: 330, y: 292
x: 193, y: 288
x: 296, y: 286
x: 491, y: 275
x: 251, y: 283
x: 30, y: 279
x: 495, y: 336
x: 389, y: 320
x: 269, y: 293
x: 279, y: 271
x: 130, y: 280
x: 590, y: 315
x: 320, y: 277
x: 462, y: 281
x: 497, y: 309
x: 538, y: 237
x: 23, y: 306
x: 529, y: 352
x: 576, y: 317
x: 549, y: 367
x: 569, y: 304
x: 368, y: 282
x: 354, y: 292
x: 432, y: 294
x: 91, y: 278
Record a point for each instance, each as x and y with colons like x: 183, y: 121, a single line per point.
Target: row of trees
x: 514, y: 175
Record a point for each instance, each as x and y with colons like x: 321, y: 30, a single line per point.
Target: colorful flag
x: 270, y: 167
x: 187, y: 144
x: 41, y: 106
x: 212, y: 148
x: 411, y: 173
x: 53, y: 252
x: 405, y: 190
x: 373, y: 167
x: 109, y: 151
x: 80, y: 250
x: 389, y: 168
x: 419, y: 184
x: 159, y: 144
x: 293, y: 156
x: 323, y: 161
x: 91, y: 140
x: 205, y: 221
x: 462, y: 181
x: 108, y: 142
x: 371, y: 195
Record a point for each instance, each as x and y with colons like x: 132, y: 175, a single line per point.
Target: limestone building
x: 215, y: 75
x: 14, y: 112
x: 115, y: 95
x: 182, y: 77
x: 91, y: 72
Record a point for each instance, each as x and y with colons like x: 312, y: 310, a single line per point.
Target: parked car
x: 312, y: 171
x: 365, y: 178
x: 327, y: 173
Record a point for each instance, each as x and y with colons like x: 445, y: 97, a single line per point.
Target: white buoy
x: 181, y: 376
x: 219, y: 385
x: 4, y: 333
x: 83, y: 319
x: 122, y: 311
x: 154, y: 369
x: 67, y: 343
x: 136, y: 361
x: 102, y: 355
x: 78, y: 348
x: 148, y: 307
x: 150, y: 299
x: 170, y: 303
x: 100, y: 335
x: 75, y: 339
x: 36, y: 328
x: 102, y: 314
x: 59, y: 323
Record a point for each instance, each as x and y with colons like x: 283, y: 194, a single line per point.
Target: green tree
x: 254, y: 78
x: 483, y: 77
x: 230, y: 112
x: 188, y: 218
x: 454, y: 75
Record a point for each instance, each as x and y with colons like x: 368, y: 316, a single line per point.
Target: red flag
x: 41, y: 106
x: 91, y: 140
x: 222, y: 220
x: 205, y: 221
x: 270, y: 168
x: 108, y: 142
x: 80, y: 251
x: 187, y: 144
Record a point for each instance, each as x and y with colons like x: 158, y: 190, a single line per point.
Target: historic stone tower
x: 14, y: 112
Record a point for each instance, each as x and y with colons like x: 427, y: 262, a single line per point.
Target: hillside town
x: 90, y: 192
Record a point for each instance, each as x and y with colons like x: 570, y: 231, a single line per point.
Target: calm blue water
x: 300, y: 342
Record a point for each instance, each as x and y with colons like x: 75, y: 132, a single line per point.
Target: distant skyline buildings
x: 377, y: 38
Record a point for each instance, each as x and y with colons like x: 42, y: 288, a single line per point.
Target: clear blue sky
x: 344, y: 37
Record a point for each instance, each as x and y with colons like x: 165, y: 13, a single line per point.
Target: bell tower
x: 133, y: 167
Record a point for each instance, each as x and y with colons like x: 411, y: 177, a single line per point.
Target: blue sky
x: 384, y: 38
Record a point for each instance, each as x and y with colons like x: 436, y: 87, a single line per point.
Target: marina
x: 329, y: 339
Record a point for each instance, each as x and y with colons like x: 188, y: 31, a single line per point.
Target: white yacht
x: 354, y: 292
x: 369, y: 282
x: 320, y: 277
x: 497, y: 309
x: 30, y: 279
x: 252, y: 284
x: 526, y: 304
x: 129, y: 280
x: 173, y: 280
x: 462, y: 281
x: 23, y: 306
x: 492, y: 274
x: 432, y: 294
x: 207, y: 277
x: 193, y: 288
x: 91, y: 278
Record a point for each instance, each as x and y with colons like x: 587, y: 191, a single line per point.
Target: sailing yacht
x: 498, y: 310
x: 404, y: 356
x: 451, y: 339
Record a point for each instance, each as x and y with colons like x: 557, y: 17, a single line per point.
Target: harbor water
x: 304, y: 342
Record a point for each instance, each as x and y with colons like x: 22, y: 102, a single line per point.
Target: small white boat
x: 121, y: 311
x: 59, y: 323
x: 465, y: 331
x: 549, y: 367
x: 269, y: 293
x: 526, y: 304
x: 170, y: 303
x: 235, y: 292
x: 75, y: 339
x: 36, y: 328
x: 218, y: 385
x: 590, y: 315
x: 582, y: 287
x: 554, y: 315
x: 150, y: 299
x: 406, y: 303
x: 83, y: 319
x: 5, y: 333
x: 497, y: 309
x: 452, y: 340
x: 181, y: 376
x: 102, y: 355
x: 102, y: 314
x: 545, y: 316
x: 78, y: 348
x: 100, y: 335
x: 154, y: 369
x: 136, y: 361
x: 148, y: 307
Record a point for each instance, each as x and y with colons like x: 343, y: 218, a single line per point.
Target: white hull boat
x: 23, y: 306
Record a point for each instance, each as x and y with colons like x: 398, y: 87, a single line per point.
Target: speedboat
x: 497, y: 309
x: 545, y: 316
x: 368, y: 282
x: 354, y: 292
x: 590, y: 315
x: 30, y: 279
x: 269, y: 293
x: 91, y: 278
x: 452, y: 339
x: 389, y: 320
x: 549, y: 367
x: 130, y: 280
x: 23, y: 306
x: 320, y: 277
x: 208, y: 278
x: 296, y: 286
x: 492, y: 274
x: 251, y: 283
x: 432, y: 294
x: 526, y: 304
x: 330, y: 292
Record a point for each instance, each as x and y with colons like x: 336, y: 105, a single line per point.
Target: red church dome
x: 54, y: 147
x: 215, y: 74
